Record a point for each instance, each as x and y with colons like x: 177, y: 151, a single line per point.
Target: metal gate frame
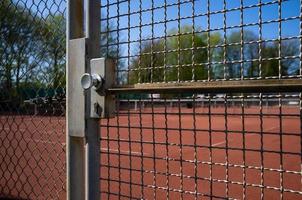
x: 83, y: 146
x: 85, y: 107
x: 82, y: 132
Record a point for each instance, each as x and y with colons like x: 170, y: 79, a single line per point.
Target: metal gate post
x: 75, y: 125
x: 88, y: 78
x: 92, y: 24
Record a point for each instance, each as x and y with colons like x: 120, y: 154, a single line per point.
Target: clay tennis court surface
x: 144, y: 153
x: 197, y: 156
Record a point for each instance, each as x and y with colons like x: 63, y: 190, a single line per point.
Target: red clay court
x: 164, y: 152
x: 171, y: 153
x: 206, y: 96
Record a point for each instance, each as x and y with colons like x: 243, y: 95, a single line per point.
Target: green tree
x: 19, y: 43
x: 249, y: 51
x: 150, y: 64
x: 269, y: 56
x: 32, y: 51
x: 181, y: 58
x: 215, y: 58
x: 290, y: 48
x: 172, y: 57
x: 241, y: 57
x: 53, y: 56
x: 269, y: 66
x: 108, y: 40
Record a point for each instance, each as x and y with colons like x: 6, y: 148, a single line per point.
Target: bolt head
x: 86, y: 81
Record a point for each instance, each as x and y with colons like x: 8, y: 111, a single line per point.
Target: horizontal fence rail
x: 284, y: 85
x: 202, y: 41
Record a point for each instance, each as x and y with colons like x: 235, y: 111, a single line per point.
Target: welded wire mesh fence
x: 188, y: 145
x: 171, y: 143
x: 238, y: 147
x: 32, y: 107
x: 202, y: 40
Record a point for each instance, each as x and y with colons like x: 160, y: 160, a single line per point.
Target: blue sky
x: 43, y: 7
x: 290, y: 12
x: 289, y: 9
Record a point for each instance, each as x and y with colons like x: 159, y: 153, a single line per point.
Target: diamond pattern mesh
x: 32, y: 99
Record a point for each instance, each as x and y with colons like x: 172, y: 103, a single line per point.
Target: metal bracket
x: 75, y: 95
x: 102, y: 104
x: 101, y: 77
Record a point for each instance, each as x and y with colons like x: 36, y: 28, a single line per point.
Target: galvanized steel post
x: 92, y: 124
x: 75, y: 127
x: 83, y: 145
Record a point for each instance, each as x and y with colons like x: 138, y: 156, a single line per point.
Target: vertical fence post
x: 75, y: 151
x: 83, y: 139
x: 93, y: 126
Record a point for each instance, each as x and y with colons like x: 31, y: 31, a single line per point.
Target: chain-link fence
x: 32, y: 99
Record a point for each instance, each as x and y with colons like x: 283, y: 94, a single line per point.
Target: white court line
x: 272, y: 128
x: 121, y: 151
x: 219, y: 143
x: 248, y: 135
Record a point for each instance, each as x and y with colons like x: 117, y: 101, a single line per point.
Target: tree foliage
x: 20, y: 43
x: 54, y: 42
x: 185, y: 56
x: 33, y: 52
x: 172, y: 58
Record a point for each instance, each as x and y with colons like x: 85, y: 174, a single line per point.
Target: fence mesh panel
x: 158, y: 146
x: 32, y: 107
x: 194, y: 145
x: 207, y: 146
x: 203, y: 40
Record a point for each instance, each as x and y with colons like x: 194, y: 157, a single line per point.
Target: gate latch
x: 95, y: 80
x: 101, y: 77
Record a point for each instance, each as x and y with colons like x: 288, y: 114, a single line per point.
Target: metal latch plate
x: 102, y: 104
x: 75, y: 95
